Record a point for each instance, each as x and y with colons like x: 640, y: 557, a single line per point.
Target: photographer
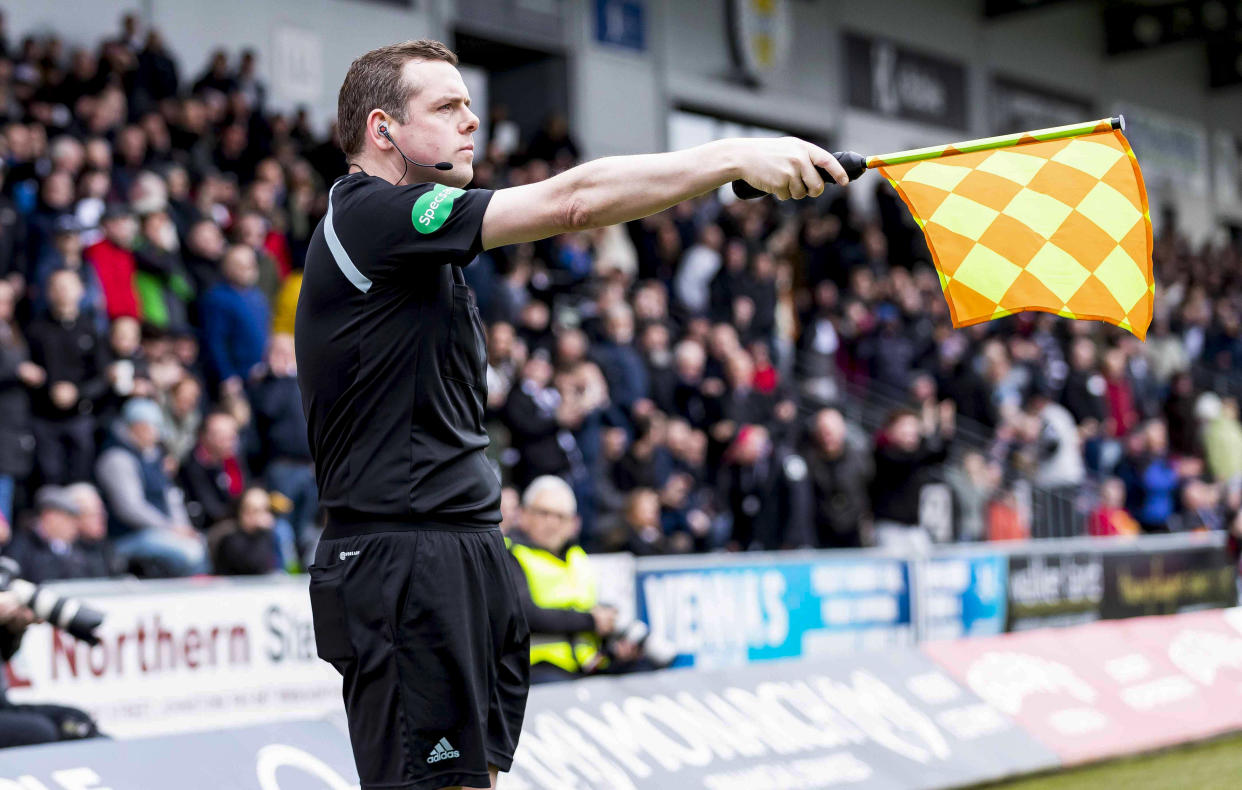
x: 24, y: 725
x: 569, y: 630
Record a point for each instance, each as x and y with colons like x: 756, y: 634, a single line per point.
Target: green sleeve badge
x: 433, y: 207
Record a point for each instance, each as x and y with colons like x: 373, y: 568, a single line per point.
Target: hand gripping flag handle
x: 855, y: 164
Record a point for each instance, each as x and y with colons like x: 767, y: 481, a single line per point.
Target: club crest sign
x: 760, y: 36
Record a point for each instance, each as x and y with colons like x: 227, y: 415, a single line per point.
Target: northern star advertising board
x: 737, y: 612
x: 177, y: 657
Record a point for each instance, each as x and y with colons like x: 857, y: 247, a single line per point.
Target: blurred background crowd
x: 725, y: 375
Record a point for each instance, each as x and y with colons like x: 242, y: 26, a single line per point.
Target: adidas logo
x: 443, y: 751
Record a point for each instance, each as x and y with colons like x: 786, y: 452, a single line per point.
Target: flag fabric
x: 1056, y: 225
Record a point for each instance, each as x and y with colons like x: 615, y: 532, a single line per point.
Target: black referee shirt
x: 391, y: 355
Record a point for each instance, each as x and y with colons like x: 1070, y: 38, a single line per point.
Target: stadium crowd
x: 697, y: 377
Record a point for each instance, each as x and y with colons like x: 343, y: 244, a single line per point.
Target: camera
x: 68, y: 614
x: 656, y: 651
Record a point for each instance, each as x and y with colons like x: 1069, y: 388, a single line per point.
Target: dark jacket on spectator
x: 1084, y: 396
x: 236, y: 552
x: 12, y: 241
x: 69, y: 351
x: 770, y: 502
x: 276, y: 403
x: 530, y: 414
x: 840, y: 489
x: 899, y: 476
x: 209, y: 487
x: 16, y: 440
x: 625, y: 371
x: 43, y: 562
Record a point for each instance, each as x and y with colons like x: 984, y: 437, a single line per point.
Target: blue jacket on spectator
x: 235, y: 327
x: 624, y: 370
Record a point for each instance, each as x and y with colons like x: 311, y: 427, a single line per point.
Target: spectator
x: 533, y: 415
x: 276, y: 404
x: 1110, y: 517
x: 164, y: 287
x: 767, y: 492
x: 697, y: 268
x: 556, y: 586
x: 235, y: 321
x: 48, y: 551
x: 17, y: 376
x: 182, y: 418
x: 975, y: 482
x: 1050, y: 429
x: 1153, y: 480
x: 65, y: 252
x: 620, y: 362
x: 13, y: 231
x: 840, y: 475
x: 1222, y: 439
x: 113, y: 261
x: 157, y: 71
x: 73, y: 358
x: 905, y: 455
x: 93, y: 530
x: 148, y: 521
x: 214, y: 475
x: 217, y: 76
x: 641, y: 531
x: 205, y: 247
x: 244, y: 546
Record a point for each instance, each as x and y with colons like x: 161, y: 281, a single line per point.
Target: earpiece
x: 383, y: 130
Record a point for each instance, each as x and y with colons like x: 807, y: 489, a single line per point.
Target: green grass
x: 1215, y: 765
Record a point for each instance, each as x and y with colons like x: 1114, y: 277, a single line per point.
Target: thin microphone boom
x: 438, y: 165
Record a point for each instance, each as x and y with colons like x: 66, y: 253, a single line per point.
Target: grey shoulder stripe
x: 343, y: 261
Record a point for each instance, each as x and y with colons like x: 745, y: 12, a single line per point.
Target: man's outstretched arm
x: 623, y: 188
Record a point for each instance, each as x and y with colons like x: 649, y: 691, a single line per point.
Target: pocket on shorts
x: 328, y: 613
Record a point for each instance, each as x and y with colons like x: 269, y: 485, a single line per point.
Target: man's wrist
x: 725, y: 154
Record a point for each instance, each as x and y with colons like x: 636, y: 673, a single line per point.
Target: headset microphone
x: 438, y: 165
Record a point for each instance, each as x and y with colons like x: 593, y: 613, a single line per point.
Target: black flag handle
x: 855, y: 165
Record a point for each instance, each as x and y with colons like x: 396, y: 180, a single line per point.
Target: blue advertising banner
x: 962, y: 596
x: 736, y: 613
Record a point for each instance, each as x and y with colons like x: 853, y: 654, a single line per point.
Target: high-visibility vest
x: 560, y: 584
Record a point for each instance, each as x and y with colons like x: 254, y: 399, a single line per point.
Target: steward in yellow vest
x: 559, y: 594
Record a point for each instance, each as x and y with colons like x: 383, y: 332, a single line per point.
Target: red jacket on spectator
x: 1121, y: 406
x: 115, y: 267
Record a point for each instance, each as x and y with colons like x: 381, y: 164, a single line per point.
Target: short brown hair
x: 374, y: 81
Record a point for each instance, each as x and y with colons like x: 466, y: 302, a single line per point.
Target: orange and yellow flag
x: 1051, y: 222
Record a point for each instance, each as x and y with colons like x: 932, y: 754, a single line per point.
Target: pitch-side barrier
x: 942, y: 714
x: 198, y: 654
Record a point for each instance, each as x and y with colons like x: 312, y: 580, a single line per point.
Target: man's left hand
x: 625, y: 650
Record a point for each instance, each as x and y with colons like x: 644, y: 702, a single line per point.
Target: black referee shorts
x: 423, y: 622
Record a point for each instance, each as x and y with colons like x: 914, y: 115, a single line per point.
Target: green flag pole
x: 1001, y: 141
x: 855, y: 165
